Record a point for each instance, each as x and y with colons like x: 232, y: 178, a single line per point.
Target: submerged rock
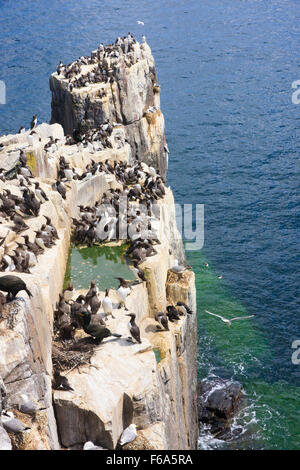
x: 218, y: 401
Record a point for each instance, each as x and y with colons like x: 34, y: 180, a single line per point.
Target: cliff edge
x: 153, y: 384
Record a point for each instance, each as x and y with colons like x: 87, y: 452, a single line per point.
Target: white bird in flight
x: 141, y: 23
x: 226, y: 320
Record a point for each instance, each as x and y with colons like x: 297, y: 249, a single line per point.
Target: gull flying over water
x: 226, y: 320
x: 141, y: 23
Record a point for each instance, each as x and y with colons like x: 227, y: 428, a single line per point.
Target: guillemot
x: 133, y: 328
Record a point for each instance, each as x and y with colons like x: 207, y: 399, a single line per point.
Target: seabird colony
x: 140, y: 186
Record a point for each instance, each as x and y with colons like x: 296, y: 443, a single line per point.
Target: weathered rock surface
x: 218, y: 401
x: 153, y: 384
x: 126, y: 102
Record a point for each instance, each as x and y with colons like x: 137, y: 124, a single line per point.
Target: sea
x: 227, y: 69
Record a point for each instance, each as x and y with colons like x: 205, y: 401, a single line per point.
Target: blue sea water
x: 226, y: 68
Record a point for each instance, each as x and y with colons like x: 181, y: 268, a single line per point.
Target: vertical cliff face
x: 130, y: 98
x: 152, y: 384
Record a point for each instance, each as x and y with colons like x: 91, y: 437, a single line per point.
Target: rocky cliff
x: 130, y: 97
x: 153, y: 384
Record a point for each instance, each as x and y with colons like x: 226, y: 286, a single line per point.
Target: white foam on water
x: 207, y: 441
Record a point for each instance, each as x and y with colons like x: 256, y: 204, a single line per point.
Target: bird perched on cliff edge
x: 12, y: 424
x: 178, y: 269
x: 161, y: 318
x: 27, y: 406
x: 128, y: 435
x: 133, y: 328
x: 123, y: 291
x: 184, y: 308
x: 12, y: 285
x: 107, y: 304
x: 61, y: 383
x: 33, y: 122
x: 97, y: 331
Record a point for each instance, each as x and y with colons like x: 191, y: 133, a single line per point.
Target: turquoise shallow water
x: 225, y: 69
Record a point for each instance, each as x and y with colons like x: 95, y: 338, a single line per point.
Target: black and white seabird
x: 33, y: 122
x: 123, y: 291
x: 162, y: 318
x: 107, y: 304
x: 40, y: 193
x: 184, y: 308
x: 173, y: 313
x: 139, y: 273
x: 61, y: 382
x: 133, y: 328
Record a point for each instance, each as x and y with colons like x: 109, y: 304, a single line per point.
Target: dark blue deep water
x: 226, y: 68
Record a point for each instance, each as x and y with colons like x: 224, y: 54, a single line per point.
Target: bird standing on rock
x: 133, y: 328
x: 107, y: 304
x: 12, y: 285
x: 33, y: 122
x: 61, y: 383
x: 12, y: 424
x: 162, y: 318
x: 139, y: 273
x: 68, y: 292
x: 91, y: 292
x: 95, y: 303
x: 40, y: 193
x: 123, y: 291
x: 178, y: 269
x: 184, y: 308
x: 129, y: 434
x: 173, y: 313
x: 27, y: 406
x: 98, y: 332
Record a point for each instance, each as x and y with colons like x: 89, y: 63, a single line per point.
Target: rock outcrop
x: 131, y: 98
x: 153, y: 384
x: 218, y: 401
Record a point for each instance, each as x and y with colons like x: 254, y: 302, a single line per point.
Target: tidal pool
x: 99, y: 263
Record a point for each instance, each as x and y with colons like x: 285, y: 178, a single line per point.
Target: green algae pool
x: 99, y: 263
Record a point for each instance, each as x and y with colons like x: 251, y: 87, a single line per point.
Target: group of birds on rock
x: 22, y: 254
x: 101, y: 66
x: 26, y: 406
x: 131, y: 213
x: 83, y: 313
x: 173, y: 314
x: 33, y: 124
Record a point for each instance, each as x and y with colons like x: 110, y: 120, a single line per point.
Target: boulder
x: 218, y: 401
